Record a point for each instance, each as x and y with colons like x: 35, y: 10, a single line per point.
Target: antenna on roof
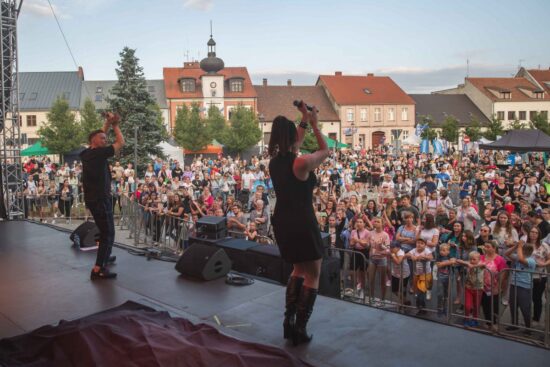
x: 519, y: 63
x: 467, y: 68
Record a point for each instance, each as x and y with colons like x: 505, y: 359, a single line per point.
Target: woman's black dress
x: 294, y: 222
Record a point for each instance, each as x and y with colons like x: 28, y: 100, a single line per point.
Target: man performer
x: 96, y: 181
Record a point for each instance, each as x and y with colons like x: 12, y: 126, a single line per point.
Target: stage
x: 43, y: 280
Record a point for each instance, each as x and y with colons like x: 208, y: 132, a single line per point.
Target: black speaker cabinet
x: 85, y: 235
x: 265, y: 261
x: 236, y: 249
x: 329, y: 282
x: 204, y: 262
x: 212, y: 227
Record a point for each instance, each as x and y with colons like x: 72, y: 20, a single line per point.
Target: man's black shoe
x: 111, y: 259
x: 102, y: 274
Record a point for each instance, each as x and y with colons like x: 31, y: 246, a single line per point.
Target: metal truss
x: 11, y: 193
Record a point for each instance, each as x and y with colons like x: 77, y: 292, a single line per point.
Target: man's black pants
x: 102, y: 211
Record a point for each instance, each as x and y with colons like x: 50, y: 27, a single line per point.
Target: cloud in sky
x: 203, y: 5
x: 41, y: 8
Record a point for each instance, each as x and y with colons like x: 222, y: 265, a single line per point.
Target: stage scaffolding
x: 11, y: 195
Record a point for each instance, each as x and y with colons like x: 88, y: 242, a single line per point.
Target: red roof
x: 173, y: 75
x: 350, y: 90
x: 512, y: 85
x: 542, y: 77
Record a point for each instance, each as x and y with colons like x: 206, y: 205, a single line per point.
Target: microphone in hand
x: 299, y: 104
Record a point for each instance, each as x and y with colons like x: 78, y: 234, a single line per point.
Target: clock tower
x: 212, y: 82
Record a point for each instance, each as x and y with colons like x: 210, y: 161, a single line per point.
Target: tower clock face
x: 213, y: 85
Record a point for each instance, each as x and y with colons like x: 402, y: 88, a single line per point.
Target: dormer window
x: 99, y: 90
x: 187, y: 85
x: 367, y: 91
x: 236, y: 85
x: 538, y: 94
x: 506, y: 95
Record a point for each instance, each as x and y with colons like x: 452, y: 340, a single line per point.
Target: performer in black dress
x: 294, y: 222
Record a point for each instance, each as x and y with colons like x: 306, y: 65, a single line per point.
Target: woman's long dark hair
x: 283, y: 136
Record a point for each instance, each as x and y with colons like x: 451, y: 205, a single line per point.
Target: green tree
x: 540, y: 121
x: 310, y: 141
x: 215, y: 124
x: 473, y: 131
x: 138, y: 110
x: 449, y: 130
x: 517, y: 125
x: 58, y: 135
x: 429, y: 132
x: 494, y: 129
x: 190, y: 130
x: 244, y: 131
x: 89, y: 120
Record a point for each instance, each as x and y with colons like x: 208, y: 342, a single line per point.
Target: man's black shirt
x: 96, y: 178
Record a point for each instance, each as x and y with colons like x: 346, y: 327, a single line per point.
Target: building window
x: 34, y: 96
x: 377, y: 114
x: 20, y: 121
x: 364, y: 114
x: 511, y: 115
x: 532, y: 115
x: 31, y: 120
x: 404, y: 114
x: 505, y: 95
x: 539, y: 95
x: 391, y: 114
x: 544, y: 114
x: 350, y: 114
x: 187, y: 85
x: 99, y: 97
x: 522, y: 115
x: 99, y: 90
x: 236, y: 85
x: 32, y: 141
x: 405, y: 134
x: 500, y: 115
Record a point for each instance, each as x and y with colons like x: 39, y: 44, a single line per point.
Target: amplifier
x: 212, y: 227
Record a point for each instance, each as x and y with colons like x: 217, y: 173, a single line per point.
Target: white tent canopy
x: 412, y: 140
x: 171, y: 151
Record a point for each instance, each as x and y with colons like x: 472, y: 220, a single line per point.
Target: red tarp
x: 136, y: 335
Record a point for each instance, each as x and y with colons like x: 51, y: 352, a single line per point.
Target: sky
x: 423, y: 45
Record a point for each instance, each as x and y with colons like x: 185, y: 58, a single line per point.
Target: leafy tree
x: 517, y: 125
x: 190, y: 130
x: 58, y: 135
x: 310, y: 141
x: 429, y: 132
x: 137, y: 109
x: 473, y: 131
x: 89, y: 120
x: 215, y: 124
x: 449, y: 129
x: 244, y: 131
x: 540, y: 121
x: 494, y: 129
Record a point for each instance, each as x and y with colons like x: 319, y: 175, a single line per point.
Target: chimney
x: 370, y: 74
x: 264, y: 82
x: 338, y: 73
x: 80, y: 73
x: 289, y: 83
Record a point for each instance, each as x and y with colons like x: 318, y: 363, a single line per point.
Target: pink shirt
x: 379, y: 244
x: 363, y: 235
x: 493, y: 267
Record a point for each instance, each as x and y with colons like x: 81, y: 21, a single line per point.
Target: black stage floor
x: 44, y: 280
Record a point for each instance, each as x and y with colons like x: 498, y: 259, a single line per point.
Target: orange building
x: 208, y: 83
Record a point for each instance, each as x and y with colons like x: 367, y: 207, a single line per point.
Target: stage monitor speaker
x: 212, y: 227
x: 265, y: 261
x: 85, y: 235
x: 204, y: 262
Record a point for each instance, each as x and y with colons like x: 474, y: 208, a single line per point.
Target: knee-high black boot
x: 303, y: 313
x: 293, y: 289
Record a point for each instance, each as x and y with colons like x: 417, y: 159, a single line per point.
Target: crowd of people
x: 412, y: 216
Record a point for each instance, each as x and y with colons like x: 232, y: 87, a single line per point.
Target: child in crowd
x: 444, y: 264
x: 473, y: 287
x: 400, y: 270
x: 422, y: 280
x: 251, y: 232
x: 520, y: 282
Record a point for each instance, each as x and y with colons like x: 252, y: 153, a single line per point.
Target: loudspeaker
x: 329, y: 281
x: 85, y: 235
x: 265, y: 261
x: 212, y: 227
x: 204, y: 262
x: 236, y: 249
